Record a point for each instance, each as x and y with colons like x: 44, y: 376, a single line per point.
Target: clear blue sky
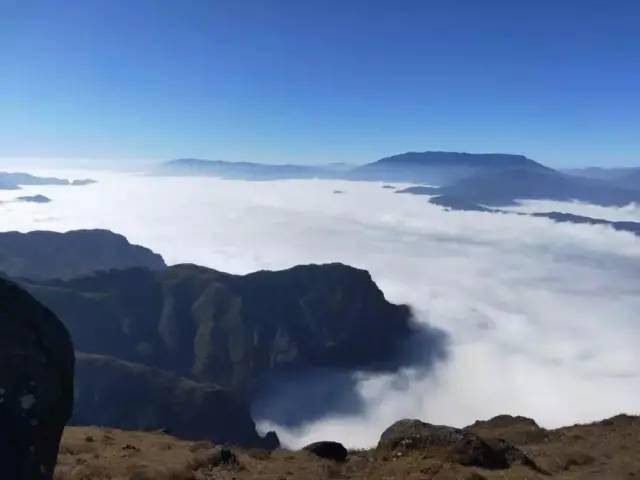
x: 313, y: 81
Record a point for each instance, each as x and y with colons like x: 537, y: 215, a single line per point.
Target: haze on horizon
x: 122, y: 84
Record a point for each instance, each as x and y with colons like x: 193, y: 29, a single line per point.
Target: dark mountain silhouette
x: 231, y: 330
x: 42, y: 254
x: 36, y: 385
x: 505, y: 187
x: 632, y: 227
x: 455, y: 203
x: 131, y: 396
x: 181, y: 331
x: 484, y: 179
x: 441, y: 168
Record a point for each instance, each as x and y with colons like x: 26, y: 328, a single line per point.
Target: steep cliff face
x: 131, y: 396
x: 36, y: 385
x: 231, y: 330
x: 46, y: 255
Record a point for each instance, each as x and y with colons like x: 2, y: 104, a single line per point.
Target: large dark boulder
x: 413, y: 435
x: 328, y: 450
x: 452, y: 444
x: 36, y: 385
x: 114, y: 393
x: 41, y: 255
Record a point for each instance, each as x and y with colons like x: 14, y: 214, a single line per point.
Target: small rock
x: 329, y: 450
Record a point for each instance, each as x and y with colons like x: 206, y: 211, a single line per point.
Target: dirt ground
x: 605, y: 450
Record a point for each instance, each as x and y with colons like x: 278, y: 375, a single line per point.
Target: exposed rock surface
x: 329, y: 450
x: 231, y: 330
x: 36, y: 385
x: 110, y: 392
x: 164, y: 342
x: 42, y: 255
x: 458, y: 446
x: 517, y: 430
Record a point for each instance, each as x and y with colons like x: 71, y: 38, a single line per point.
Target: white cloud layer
x: 543, y: 317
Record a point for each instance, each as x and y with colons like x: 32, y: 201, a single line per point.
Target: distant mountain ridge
x: 460, y: 204
x: 245, y: 170
x: 420, y: 167
x: 506, y: 187
x: 441, y: 168
x: 482, y: 178
x: 13, y: 181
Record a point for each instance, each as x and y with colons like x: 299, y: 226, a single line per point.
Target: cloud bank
x: 542, y: 317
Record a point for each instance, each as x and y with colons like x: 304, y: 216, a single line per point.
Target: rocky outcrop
x: 36, y: 385
x: 46, y: 255
x: 244, y: 170
x: 162, y: 343
x: 328, y: 450
x: 455, y: 445
x: 233, y: 330
x: 113, y: 393
x: 517, y: 430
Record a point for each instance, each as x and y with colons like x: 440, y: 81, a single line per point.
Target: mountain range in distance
x: 16, y: 180
x: 493, y: 179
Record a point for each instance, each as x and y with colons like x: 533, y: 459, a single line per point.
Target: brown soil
x: 605, y: 450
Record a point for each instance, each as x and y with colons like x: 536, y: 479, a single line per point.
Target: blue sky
x: 320, y: 81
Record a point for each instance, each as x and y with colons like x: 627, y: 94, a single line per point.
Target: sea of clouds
x: 542, y: 317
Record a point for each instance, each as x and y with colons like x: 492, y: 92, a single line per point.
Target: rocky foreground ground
x: 609, y: 449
